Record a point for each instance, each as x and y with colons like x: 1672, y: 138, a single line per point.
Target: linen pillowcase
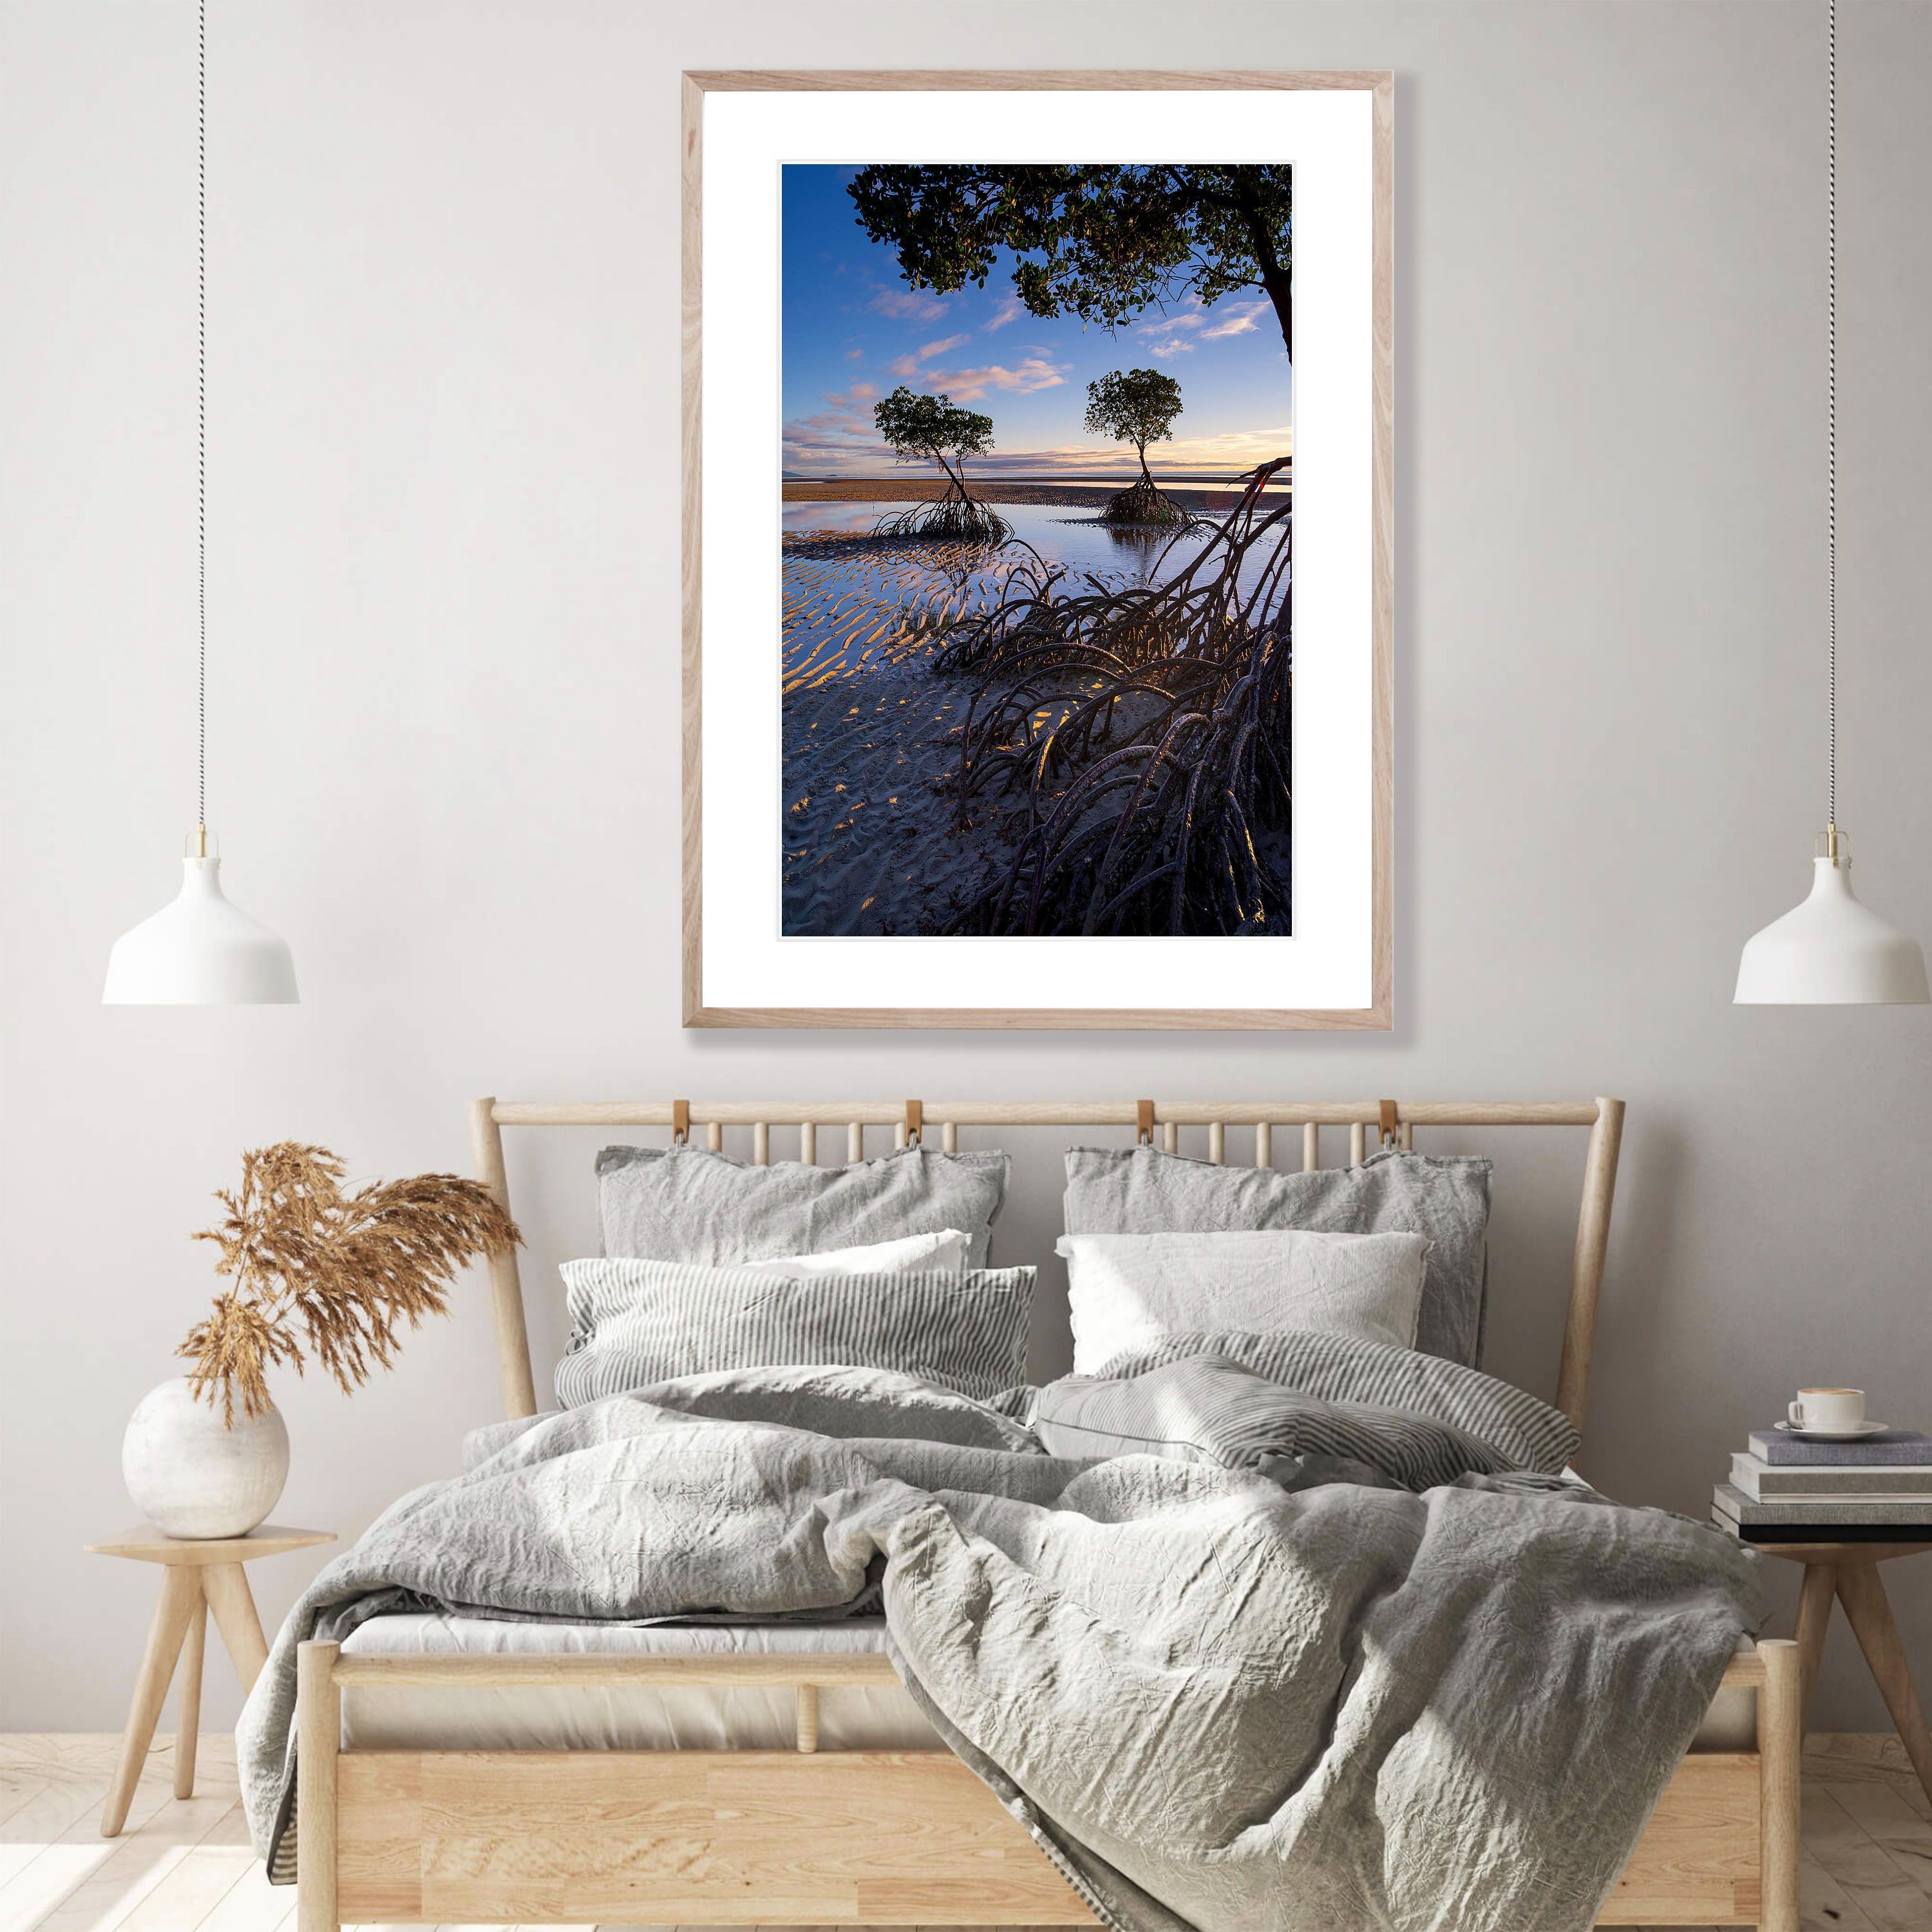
x: 941, y: 1253
x: 1524, y: 1432
x: 1125, y: 1291
x: 1207, y: 1408
x: 1114, y: 1191
x: 636, y: 1322
x: 686, y: 1204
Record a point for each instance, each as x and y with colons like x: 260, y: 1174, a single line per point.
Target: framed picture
x: 1037, y: 557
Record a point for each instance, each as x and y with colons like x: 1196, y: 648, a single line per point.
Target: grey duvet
x: 1216, y: 1697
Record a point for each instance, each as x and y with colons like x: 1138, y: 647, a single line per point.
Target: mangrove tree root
x: 955, y: 519
x: 1144, y: 504
x: 1145, y: 735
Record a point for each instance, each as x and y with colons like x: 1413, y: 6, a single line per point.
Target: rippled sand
x: 870, y: 735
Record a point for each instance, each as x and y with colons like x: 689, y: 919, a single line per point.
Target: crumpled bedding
x: 1217, y: 1697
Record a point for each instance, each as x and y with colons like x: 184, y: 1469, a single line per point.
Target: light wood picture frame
x: 742, y: 966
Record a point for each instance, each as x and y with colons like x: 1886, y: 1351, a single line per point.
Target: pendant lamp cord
x: 202, y: 414
x: 1831, y: 408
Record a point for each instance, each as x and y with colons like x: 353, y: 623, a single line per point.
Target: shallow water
x: 1061, y: 533
x: 847, y: 606
x: 870, y: 730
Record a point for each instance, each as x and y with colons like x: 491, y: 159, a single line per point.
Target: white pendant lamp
x: 1831, y: 951
x: 200, y: 950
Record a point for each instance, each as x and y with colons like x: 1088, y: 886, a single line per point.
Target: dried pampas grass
x: 338, y: 1273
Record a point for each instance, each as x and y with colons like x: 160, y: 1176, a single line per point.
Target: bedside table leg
x: 1814, y: 1618
x: 1862, y: 1593
x: 187, y: 1698
x: 226, y: 1586
x: 180, y: 1596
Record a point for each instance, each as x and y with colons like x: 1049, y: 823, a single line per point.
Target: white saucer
x: 1854, y: 1434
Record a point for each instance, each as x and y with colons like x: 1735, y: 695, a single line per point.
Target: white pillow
x: 1128, y: 1290
x: 942, y: 1253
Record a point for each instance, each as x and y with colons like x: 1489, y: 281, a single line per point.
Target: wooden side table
x: 1846, y: 1572
x: 198, y: 1577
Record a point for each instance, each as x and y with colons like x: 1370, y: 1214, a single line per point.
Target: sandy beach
x: 870, y: 737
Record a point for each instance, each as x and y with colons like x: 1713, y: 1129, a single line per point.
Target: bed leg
x: 1780, y: 1747
x: 318, y: 1738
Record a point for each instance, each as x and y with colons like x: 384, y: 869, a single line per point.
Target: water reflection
x: 872, y: 733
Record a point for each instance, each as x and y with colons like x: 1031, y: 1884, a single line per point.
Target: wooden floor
x: 184, y: 1865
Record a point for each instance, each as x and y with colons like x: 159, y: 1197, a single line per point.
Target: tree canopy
x: 927, y: 429
x: 1135, y: 406
x: 1103, y: 243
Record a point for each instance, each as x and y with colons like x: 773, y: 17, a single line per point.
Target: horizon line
x: 1053, y: 476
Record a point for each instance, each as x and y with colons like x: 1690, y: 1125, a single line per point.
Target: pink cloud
x: 834, y: 421
x: 908, y: 304
x: 939, y: 348
x: 1166, y: 324
x: 1011, y: 310
x: 859, y: 392
x: 971, y: 385
x: 1238, y: 320
x: 830, y: 435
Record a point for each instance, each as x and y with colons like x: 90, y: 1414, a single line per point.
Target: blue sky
x: 853, y: 331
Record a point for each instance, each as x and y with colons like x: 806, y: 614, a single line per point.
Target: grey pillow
x: 1143, y: 1191
x: 686, y: 1204
x: 1382, y: 1389
x: 633, y: 1323
x: 832, y: 1400
x: 1209, y: 1409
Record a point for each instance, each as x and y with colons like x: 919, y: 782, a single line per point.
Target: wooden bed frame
x: 750, y: 1837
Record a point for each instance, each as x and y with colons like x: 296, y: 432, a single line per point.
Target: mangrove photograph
x: 1037, y: 538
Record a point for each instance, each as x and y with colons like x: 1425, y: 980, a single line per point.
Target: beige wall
x: 443, y: 513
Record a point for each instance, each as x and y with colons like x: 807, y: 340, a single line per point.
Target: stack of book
x: 1785, y: 1489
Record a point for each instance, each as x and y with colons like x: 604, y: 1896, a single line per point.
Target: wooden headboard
x: 1394, y: 1122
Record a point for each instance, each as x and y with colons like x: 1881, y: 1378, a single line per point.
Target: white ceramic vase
x: 191, y: 1476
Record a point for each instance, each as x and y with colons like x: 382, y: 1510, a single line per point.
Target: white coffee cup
x: 1830, y: 1411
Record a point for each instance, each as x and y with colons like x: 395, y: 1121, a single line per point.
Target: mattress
x: 633, y: 1716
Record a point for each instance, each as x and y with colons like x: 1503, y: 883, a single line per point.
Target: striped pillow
x: 1206, y: 1408
x: 636, y: 1322
x: 1524, y: 1432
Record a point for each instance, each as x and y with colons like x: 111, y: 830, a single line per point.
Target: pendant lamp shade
x: 200, y: 950
x: 1831, y: 951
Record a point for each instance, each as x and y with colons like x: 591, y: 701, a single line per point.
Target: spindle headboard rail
x: 1393, y: 1122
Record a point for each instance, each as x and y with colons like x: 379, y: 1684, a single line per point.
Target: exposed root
x: 1144, y: 504
x: 954, y: 518
x: 1146, y: 730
